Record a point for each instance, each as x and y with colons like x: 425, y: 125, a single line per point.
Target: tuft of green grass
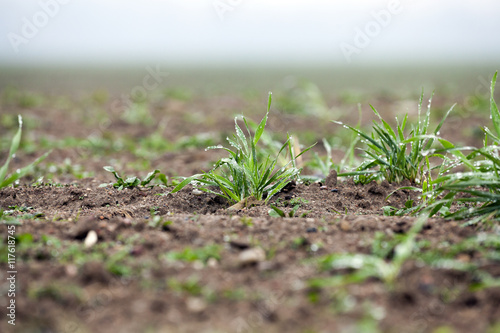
x: 472, y: 195
x: 244, y: 173
x: 303, y: 97
x: 130, y: 182
x: 189, y: 255
x: 276, y: 212
x: 19, y: 173
x: 475, y: 194
x: 394, y: 156
x: 138, y: 113
x: 190, y: 286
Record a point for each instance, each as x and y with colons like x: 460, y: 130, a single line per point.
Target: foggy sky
x: 257, y: 31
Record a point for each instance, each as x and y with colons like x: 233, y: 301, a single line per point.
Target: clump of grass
x: 481, y: 185
x: 19, y: 173
x: 244, y: 173
x: 474, y: 194
x: 394, y: 156
x: 131, y: 182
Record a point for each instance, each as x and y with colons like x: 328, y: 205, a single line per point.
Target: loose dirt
x: 182, y: 262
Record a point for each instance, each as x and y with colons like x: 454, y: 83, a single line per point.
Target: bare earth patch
x: 182, y: 262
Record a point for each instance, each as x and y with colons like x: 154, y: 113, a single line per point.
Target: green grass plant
x: 303, y: 97
x: 473, y: 194
x: 189, y: 254
x: 395, y: 156
x: 277, y: 212
x: 130, y: 182
x: 19, y: 173
x: 245, y: 173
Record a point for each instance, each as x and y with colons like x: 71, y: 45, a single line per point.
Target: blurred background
x: 229, y: 45
x: 150, y: 84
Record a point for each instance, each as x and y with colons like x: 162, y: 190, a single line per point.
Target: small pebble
x: 298, y: 284
x: 197, y: 192
x: 345, y: 226
x: 196, y: 304
x: 323, y: 188
x: 71, y: 270
x: 252, y: 256
x: 198, y: 265
x: 91, y: 239
x: 212, y: 262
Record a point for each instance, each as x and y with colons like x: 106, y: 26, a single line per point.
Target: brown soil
x: 64, y: 286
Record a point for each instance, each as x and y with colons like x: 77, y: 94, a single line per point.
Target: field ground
x: 183, y: 262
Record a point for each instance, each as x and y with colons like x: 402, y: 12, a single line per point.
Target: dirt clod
x: 331, y: 179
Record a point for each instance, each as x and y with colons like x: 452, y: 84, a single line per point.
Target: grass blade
x: 262, y: 125
x: 150, y: 176
x: 186, y: 181
x: 495, y: 114
x: 16, y: 140
x: 23, y: 171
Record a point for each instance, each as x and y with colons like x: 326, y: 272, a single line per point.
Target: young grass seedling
x: 481, y: 184
x: 325, y: 164
x: 276, y: 212
x: 189, y: 254
x: 387, y: 156
x: 129, y: 182
x: 366, y: 266
x: 244, y: 174
x: 16, y: 140
x: 295, y: 202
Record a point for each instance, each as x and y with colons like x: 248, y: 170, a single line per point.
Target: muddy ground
x: 182, y: 262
